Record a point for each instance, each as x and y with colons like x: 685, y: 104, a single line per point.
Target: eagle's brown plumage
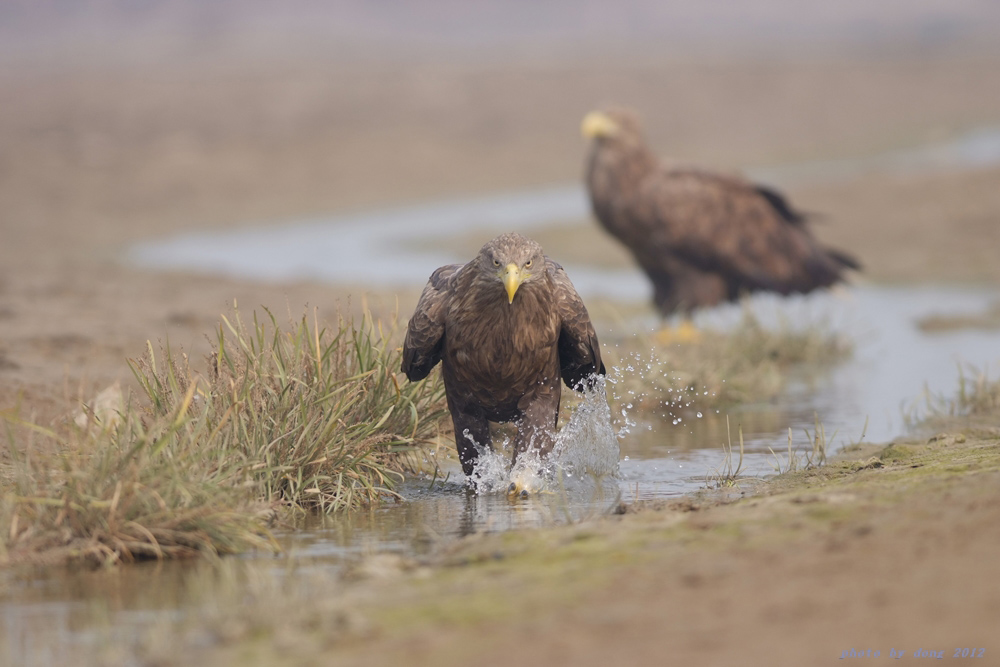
x: 503, y: 347
x: 701, y: 237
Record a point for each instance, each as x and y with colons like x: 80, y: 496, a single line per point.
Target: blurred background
x: 128, y: 122
x: 161, y: 160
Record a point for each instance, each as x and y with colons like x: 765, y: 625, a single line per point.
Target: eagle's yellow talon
x: 517, y: 490
x: 685, y: 333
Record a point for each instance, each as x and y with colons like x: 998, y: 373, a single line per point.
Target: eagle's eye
x: 527, y: 264
x: 496, y: 262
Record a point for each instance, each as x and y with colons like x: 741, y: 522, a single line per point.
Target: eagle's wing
x: 579, y: 351
x: 728, y: 225
x: 424, y: 340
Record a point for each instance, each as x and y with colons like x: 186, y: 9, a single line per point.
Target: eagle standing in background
x: 507, y: 327
x: 701, y: 237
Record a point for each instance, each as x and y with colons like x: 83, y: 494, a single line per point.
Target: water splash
x: 584, y: 457
x: 588, y: 445
x: 493, y: 469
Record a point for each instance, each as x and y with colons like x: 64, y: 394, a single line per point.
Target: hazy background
x: 520, y: 29
x: 126, y: 122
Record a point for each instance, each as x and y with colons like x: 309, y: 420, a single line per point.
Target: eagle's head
x: 617, y: 125
x: 512, y: 260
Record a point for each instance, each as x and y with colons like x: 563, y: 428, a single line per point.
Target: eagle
x: 508, y: 329
x: 702, y: 237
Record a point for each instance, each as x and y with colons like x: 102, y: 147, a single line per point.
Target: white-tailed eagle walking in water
x: 508, y: 329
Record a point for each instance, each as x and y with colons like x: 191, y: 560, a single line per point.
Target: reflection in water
x: 48, y: 617
x: 433, y: 516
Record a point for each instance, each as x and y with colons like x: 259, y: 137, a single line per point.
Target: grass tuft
x: 749, y: 364
x: 977, y: 397
x: 307, y: 418
x: 726, y: 475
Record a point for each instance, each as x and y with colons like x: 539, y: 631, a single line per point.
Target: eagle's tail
x: 842, y: 258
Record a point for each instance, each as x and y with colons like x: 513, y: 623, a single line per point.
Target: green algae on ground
x: 561, y: 562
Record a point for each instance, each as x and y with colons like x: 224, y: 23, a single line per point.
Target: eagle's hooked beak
x: 597, y: 124
x: 512, y: 280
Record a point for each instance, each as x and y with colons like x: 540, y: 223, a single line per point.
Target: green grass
x: 303, y: 419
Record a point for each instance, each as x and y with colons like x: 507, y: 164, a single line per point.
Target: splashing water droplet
x: 699, y: 415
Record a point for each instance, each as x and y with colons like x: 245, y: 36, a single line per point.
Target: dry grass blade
x: 726, y: 475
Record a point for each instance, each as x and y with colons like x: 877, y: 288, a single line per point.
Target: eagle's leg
x: 536, y: 430
x: 472, y: 433
x: 683, y: 332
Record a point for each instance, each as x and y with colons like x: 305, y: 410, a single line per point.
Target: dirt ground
x: 95, y: 156
x: 895, y: 553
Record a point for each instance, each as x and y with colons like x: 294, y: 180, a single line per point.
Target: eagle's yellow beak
x: 511, y: 281
x: 597, y: 124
